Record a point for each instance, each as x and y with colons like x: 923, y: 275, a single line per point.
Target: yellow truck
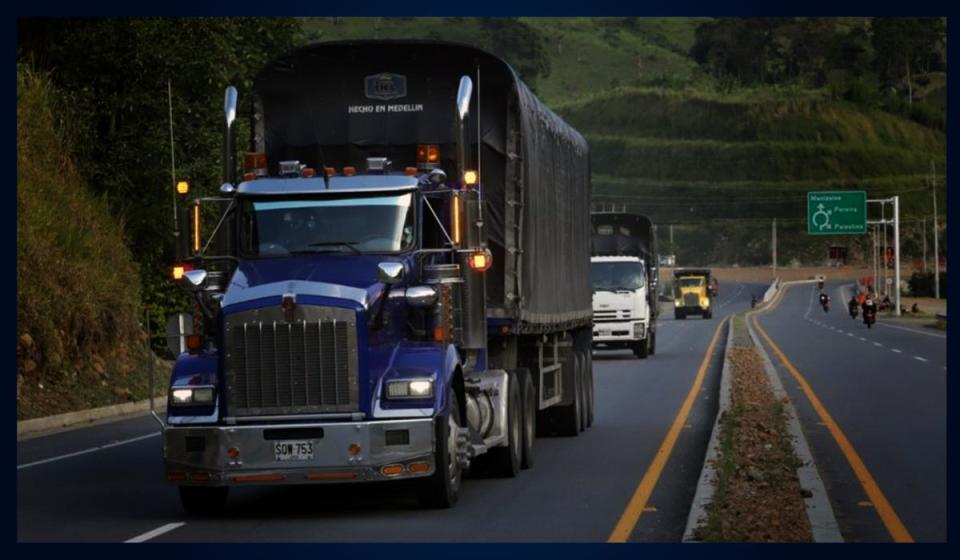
x: 691, y: 293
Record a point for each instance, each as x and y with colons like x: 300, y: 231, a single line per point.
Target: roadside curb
x: 704, y: 493
x: 37, y: 426
x: 823, y: 522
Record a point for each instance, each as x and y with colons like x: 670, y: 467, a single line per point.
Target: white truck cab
x: 621, y: 310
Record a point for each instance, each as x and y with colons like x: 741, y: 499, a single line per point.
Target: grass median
x: 757, y: 495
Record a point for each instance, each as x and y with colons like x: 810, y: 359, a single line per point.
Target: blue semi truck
x: 395, y: 282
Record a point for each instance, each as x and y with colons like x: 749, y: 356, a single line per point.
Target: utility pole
x: 773, y: 244
x: 173, y: 165
x: 876, y: 240
x: 936, y: 234
x: 924, y: 245
x: 896, y: 252
x: 883, y: 259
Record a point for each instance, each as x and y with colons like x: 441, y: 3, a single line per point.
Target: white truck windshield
x: 365, y: 224
x: 612, y: 276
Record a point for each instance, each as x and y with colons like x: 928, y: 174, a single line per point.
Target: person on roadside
x: 914, y: 308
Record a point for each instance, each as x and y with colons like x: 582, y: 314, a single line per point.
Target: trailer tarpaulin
x: 337, y: 103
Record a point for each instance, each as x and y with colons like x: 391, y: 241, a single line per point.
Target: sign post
x: 837, y: 213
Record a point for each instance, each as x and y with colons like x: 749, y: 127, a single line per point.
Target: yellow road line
x: 638, y: 502
x: 891, y: 521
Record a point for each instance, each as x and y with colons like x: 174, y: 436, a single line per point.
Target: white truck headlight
x: 410, y: 389
x: 638, y: 330
x: 182, y: 396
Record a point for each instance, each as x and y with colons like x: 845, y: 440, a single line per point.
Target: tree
x: 114, y: 74
x: 904, y: 44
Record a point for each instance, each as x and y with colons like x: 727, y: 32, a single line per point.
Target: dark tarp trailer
x: 338, y: 103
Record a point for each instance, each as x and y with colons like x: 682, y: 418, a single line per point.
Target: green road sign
x: 836, y: 212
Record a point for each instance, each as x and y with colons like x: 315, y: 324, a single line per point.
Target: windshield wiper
x: 348, y: 244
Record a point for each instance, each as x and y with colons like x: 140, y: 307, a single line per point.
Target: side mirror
x: 390, y: 272
x: 194, y: 279
x: 179, y: 327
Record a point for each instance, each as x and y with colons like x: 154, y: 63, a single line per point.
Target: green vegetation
x: 78, y: 291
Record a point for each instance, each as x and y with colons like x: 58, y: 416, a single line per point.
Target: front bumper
x: 626, y: 331
x: 199, y: 455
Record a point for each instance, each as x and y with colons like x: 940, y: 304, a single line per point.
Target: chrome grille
x: 691, y: 300
x: 308, y: 365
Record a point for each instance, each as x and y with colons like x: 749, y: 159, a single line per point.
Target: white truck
x: 625, y: 276
x: 622, y: 314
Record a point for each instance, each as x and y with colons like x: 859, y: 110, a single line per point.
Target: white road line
x: 908, y: 329
x: 878, y: 344
x: 85, y: 451
x: 863, y: 339
x: 849, y: 334
x: 895, y: 350
x: 919, y: 358
x: 156, y: 532
x: 840, y: 331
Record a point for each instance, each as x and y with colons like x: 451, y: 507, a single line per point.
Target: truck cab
x: 369, y: 303
x: 692, y: 293
x: 621, y: 303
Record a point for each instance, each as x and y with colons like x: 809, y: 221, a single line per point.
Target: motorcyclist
x: 753, y: 301
x: 869, y: 311
x: 825, y: 301
x: 854, y: 306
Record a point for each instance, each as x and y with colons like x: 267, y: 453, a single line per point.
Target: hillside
x: 79, y: 342
x: 719, y: 160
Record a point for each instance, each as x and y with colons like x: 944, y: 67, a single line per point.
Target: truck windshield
x: 356, y: 224
x: 691, y: 282
x: 616, y: 275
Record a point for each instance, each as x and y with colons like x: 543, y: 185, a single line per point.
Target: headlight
x: 410, y: 389
x: 182, y: 396
x: 638, y: 330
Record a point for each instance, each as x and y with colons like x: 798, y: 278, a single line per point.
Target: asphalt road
x: 577, y: 491
x: 886, y: 389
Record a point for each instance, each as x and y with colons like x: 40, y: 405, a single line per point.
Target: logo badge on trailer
x: 386, y: 86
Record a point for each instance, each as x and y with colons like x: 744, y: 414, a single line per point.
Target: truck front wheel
x: 642, y: 348
x: 442, y: 489
x: 203, y: 500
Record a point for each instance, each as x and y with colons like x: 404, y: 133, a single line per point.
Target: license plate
x: 604, y: 333
x: 293, y: 450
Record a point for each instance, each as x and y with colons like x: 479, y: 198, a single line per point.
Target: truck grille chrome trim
x: 308, y: 366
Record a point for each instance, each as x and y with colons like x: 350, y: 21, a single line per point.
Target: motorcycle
x: 869, y: 318
x: 854, y: 311
x: 753, y: 302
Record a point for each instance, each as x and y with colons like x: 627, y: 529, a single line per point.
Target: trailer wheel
x: 442, y: 489
x: 653, y: 342
x: 530, y: 400
x: 678, y: 314
x: 566, y: 418
x: 708, y: 314
x: 589, y: 400
x: 203, y: 500
x: 505, y: 461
